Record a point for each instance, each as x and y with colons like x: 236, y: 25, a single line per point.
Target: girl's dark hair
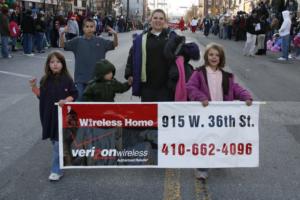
x: 159, y: 11
x: 220, y: 49
x: 64, y: 71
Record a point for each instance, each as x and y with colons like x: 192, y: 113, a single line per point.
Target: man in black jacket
x: 251, y: 28
x: 27, y: 26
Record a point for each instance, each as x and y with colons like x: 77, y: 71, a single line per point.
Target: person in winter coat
x: 103, y: 87
x: 28, y: 29
x: 207, y: 25
x: 73, y: 28
x: 40, y: 29
x: 181, y: 24
x: 261, y: 35
x: 179, y: 54
x: 4, y: 32
x: 251, y: 28
x: 211, y: 83
x: 284, y: 33
x: 146, y: 63
x: 55, y: 86
x: 14, y: 31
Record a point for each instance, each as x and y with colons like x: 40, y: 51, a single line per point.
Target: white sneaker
x: 29, y: 54
x: 200, y: 174
x: 281, y: 59
x: 54, y: 176
x: 290, y: 56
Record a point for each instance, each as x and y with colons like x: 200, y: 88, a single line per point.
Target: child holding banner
x: 103, y: 87
x: 55, y: 86
x: 211, y: 83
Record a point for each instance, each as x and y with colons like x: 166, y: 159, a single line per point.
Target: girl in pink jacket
x: 211, y: 83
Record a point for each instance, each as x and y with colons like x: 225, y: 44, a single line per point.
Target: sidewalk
x: 237, y: 47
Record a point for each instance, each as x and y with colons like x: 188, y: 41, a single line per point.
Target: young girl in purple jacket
x: 211, y: 83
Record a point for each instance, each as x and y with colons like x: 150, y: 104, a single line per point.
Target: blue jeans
x: 80, y: 88
x: 285, y: 46
x: 27, y: 43
x: 13, y: 41
x: 55, y: 158
x: 4, y: 46
x: 39, y: 41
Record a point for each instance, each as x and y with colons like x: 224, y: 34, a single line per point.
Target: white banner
x: 216, y: 136
x: 159, y: 135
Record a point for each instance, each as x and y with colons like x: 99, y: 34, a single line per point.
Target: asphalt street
x: 25, y: 158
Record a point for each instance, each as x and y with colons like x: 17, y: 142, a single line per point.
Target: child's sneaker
x: 55, y: 176
x: 201, y: 174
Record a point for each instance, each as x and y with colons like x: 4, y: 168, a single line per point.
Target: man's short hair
x: 88, y: 20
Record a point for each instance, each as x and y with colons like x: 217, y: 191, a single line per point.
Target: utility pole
x: 127, y: 15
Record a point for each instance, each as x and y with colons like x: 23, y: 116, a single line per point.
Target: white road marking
x: 16, y: 74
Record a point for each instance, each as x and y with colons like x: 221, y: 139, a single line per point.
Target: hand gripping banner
x: 158, y: 135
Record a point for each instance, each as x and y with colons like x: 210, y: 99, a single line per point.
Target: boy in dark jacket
x: 104, y: 86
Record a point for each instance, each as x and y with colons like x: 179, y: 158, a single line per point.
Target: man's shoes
x: 55, y: 177
x: 282, y: 59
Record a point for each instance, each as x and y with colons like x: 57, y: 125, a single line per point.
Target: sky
x: 175, y: 7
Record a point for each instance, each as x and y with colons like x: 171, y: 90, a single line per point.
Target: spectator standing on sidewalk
x: 261, y: 36
x: 4, y: 32
x: 88, y: 50
x: 251, y: 28
x: 73, y: 29
x: 14, y: 31
x: 40, y: 29
x: 284, y: 33
x: 27, y: 26
x: 194, y: 24
x: 181, y: 24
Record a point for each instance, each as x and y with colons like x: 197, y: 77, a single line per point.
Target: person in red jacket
x: 14, y: 31
x: 181, y: 24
